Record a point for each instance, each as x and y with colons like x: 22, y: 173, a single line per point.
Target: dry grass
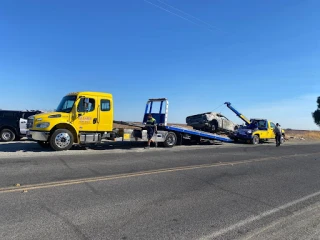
x: 115, y: 125
x: 298, y: 134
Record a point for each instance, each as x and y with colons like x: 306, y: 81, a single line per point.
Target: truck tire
x: 61, y: 140
x: 171, y: 139
x: 179, y: 139
x: 7, y: 135
x: 255, y: 140
x: 44, y: 144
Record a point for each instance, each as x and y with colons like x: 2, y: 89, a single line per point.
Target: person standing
x: 151, y: 128
x: 278, y: 132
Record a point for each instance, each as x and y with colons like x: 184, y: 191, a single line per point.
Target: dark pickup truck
x: 13, y: 124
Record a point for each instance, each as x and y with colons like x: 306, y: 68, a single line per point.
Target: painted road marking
x: 258, y: 217
x: 144, y: 173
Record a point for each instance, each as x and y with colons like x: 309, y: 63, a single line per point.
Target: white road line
x: 257, y: 217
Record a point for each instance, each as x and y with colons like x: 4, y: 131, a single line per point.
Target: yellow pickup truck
x: 263, y: 132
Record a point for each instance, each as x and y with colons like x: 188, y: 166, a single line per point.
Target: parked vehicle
x: 211, y: 122
x: 87, y: 118
x: 13, y: 124
x: 263, y: 130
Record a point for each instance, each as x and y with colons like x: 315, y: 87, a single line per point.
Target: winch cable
x: 222, y: 109
x: 218, y: 107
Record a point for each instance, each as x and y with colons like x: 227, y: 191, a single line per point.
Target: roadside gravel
x: 26, y: 148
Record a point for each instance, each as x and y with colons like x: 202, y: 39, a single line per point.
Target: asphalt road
x: 247, y: 192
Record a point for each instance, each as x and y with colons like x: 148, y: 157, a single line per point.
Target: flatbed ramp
x: 199, y: 133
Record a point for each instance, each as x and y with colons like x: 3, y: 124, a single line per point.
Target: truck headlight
x: 43, y: 125
x: 249, y: 131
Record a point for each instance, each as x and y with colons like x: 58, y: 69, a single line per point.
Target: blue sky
x: 262, y: 56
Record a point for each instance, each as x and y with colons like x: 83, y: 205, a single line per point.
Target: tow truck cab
x: 81, y: 117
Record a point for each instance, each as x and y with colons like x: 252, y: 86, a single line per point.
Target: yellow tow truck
x: 262, y: 131
x: 87, y: 118
x: 80, y: 117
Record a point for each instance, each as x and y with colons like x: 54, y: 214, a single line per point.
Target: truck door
x: 23, y: 126
x: 263, y: 126
x: 86, y: 116
x: 23, y: 123
x: 271, y: 133
x: 105, y: 116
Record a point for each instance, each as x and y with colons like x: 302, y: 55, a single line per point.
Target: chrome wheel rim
x: 170, y: 140
x: 6, y: 136
x: 62, y: 140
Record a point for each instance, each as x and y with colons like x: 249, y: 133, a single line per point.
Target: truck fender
x: 68, y: 127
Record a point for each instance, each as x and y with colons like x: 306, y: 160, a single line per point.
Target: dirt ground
x: 303, y: 135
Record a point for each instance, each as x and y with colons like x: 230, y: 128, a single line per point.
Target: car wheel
x: 7, y: 135
x: 255, y: 140
x: 61, y: 140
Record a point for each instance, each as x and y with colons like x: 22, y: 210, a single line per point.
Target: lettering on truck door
x: 105, y: 115
x: 86, y: 119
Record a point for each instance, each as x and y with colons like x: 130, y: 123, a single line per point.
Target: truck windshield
x: 66, y: 104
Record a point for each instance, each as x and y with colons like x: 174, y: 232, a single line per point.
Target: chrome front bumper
x: 38, y: 136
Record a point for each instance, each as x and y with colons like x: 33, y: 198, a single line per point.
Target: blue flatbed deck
x: 199, y: 133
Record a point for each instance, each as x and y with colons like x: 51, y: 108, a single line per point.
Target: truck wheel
x: 61, y: 139
x: 255, y: 139
x: 7, y: 135
x: 171, y: 140
x: 44, y: 144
